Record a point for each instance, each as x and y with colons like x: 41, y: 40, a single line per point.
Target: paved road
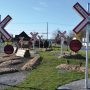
x: 11, y: 79
x: 76, y: 85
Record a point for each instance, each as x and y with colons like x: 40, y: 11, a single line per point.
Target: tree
x: 80, y: 35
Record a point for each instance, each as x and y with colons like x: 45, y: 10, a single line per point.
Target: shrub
x: 27, y: 54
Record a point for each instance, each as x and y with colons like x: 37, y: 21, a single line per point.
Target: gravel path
x: 76, y: 85
x: 11, y: 79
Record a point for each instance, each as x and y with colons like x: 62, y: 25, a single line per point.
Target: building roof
x: 22, y: 34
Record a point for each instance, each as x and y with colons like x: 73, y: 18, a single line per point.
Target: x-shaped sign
x: 39, y: 37
x: 84, y: 14
x: 2, y: 25
x: 34, y: 36
x: 62, y: 34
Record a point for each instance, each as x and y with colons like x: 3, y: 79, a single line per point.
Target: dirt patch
x: 71, y: 68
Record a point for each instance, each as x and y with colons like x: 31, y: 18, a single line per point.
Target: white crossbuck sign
x: 62, y: 34
x: 34, y: 36
x: 39, y: 37
x: 84, y: 14
x: 2, y: 25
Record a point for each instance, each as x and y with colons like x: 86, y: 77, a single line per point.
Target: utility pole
x: 0, y: 18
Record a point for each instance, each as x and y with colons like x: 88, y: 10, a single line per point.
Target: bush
x: 46, y: 44
x: 27, y: 54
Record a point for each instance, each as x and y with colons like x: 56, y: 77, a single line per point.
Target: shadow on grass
x: 14, y: 86
x: 77, y: 56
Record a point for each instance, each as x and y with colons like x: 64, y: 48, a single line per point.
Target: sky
x: 33, y: 15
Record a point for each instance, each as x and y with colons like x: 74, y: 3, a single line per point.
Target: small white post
x: 87, y: 41
x: 61, y: 46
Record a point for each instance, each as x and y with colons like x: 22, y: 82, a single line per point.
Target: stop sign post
x: 84, y: 23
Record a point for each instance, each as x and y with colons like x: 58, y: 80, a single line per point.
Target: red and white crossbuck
x: 2, y: 25
x: 84, y: 14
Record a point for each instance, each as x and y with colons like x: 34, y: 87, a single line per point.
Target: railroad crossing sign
x: 85, y: 22
x: 62, y: 34
x: 39, y: 37
x: 34, y: 37
x: 84, y: 14
x: 2, y: 25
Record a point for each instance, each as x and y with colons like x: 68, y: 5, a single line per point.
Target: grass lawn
x: 46, y: 76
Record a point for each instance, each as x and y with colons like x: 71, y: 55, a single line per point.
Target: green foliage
x: 46, y: 44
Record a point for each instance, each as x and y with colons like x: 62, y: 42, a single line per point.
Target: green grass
x: 46, y: 76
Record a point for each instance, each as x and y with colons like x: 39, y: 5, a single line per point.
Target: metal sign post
x: 62, y: 36
x: 34, y: 37
x: 87, y: 41
x: 39, y: 40
x: 61, y: 45
x: 84, y: 23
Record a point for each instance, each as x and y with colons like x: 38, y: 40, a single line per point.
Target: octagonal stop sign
x: 75, y: 45
x: 8, y: 49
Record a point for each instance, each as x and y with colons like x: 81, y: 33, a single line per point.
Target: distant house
x: 26, y: 40
x: 22, y: 34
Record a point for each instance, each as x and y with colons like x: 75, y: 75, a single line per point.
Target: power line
x: 60, y: 24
